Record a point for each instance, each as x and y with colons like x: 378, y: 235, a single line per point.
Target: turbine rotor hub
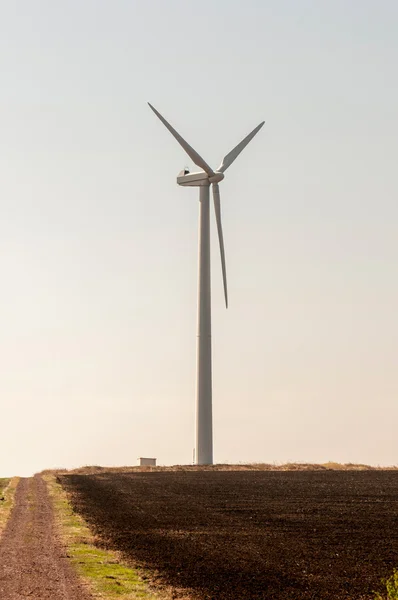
x: 218, y: 176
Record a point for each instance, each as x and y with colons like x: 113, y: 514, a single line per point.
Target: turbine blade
x: 231, y: 156
x: 217, y: 210
x: 197, y: 159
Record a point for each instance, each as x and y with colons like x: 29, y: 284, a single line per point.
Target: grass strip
x: 391, y: 585
x: 102, y: 570
x: 7, y: 493
x: 3, y: 483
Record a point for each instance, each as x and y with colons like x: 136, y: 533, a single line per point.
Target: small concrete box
x: 147, y: 462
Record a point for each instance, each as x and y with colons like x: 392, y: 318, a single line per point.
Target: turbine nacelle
x: 198, y: 178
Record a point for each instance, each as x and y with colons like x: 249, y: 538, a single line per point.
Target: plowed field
x: 263, y: 535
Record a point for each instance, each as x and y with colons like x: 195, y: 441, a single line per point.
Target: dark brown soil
x: 263, y: 535
x: 32, y: 561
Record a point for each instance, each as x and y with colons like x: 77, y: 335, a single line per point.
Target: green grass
x: 103, y: 570
x: 3, y: 484
x: 391, y: 588
x: 7, y: 492
x: 113, y: 578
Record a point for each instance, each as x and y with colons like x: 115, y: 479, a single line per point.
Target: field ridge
x: 291, y: 466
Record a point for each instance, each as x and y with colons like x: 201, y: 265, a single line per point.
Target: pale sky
x: 98, y: 245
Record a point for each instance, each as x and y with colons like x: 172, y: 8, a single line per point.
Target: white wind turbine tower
x: 203, y: 180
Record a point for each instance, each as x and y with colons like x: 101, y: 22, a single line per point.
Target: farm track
x: 32, y: 561
x: 249, y: 535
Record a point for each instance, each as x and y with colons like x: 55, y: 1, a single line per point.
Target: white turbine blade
x: 231, y: 156
x: 217, y: 209
x: 197, y: 159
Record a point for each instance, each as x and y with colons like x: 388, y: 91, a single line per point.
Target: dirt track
x: 250, y: 535
x: 32, y: 562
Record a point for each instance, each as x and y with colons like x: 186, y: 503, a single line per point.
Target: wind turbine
x: 203, y: 179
